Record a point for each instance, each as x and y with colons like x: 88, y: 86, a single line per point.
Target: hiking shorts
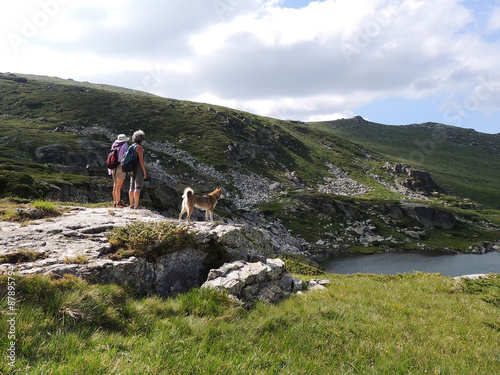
x: 137, y: 179
x: 118, y: 174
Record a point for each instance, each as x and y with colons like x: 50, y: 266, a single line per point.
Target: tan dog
x: 205, y: 202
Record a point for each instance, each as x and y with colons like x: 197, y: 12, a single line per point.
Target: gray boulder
x: 247, y: 282
x: 266, y: 281
x: 429, y: 217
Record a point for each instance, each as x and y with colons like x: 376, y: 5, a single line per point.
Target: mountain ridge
x: 453, y: 155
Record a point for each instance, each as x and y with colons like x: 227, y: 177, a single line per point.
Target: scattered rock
x: 293, y: 177
x: 341, y: 183
x: 31, y: 213
x: 475, y: 276
x: 316, y: 284
x: 485, y: 247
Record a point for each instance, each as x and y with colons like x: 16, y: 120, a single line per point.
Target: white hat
x: 121, y: 138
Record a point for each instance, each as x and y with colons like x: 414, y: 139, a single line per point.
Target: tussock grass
x: 22, y: 255
x: 301, y: 265
x: 23, y: 210
x: 149, y: 240
x: 78, y: 259
x: 363, y: 324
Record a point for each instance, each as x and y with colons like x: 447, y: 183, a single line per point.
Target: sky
x: 394, y: 62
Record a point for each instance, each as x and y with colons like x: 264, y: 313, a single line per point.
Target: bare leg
x: 135, y: 194
x: 117, y: 190
x: 131, y: 198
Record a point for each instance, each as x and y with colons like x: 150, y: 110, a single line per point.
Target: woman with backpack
x: 137, y: 177
x: 120, y: 145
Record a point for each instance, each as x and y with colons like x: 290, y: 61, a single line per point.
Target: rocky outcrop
x: 78, y: 159
x: 429, y: 217
x: 485, y: 247
x: 168, y: 274
x: 419, y: 180
x: 76, y: 243
x: 266, y: 281
x: 94, y: 191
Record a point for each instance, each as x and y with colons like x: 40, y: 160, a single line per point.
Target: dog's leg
x: 189, y: 212
x: 183, y: 210
x: 206, y: 215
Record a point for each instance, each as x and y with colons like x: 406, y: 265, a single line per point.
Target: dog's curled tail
x: 187, y: 192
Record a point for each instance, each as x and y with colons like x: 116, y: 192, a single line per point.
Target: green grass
x: 24, y: 210
x: 78, y: 259
x: 363, y: 324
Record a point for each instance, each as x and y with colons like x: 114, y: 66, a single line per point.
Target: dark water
x: 393, y: 263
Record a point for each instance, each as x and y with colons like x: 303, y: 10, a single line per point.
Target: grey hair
x: 138, y: 136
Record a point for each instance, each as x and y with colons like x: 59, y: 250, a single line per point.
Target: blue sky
x: 391, y: 61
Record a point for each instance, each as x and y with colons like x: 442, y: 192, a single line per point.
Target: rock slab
x: 76, y: 243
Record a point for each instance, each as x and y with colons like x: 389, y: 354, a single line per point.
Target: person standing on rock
x: 118, y: 175
x: 137, y: 177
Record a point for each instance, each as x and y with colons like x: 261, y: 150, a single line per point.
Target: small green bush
x: 149, y: 240
x: 48, y: 208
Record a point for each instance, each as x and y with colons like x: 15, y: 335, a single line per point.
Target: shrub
x: 149, y: 240
x: 48, y: 208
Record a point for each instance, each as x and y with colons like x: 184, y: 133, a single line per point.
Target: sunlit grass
x: 403, y: 324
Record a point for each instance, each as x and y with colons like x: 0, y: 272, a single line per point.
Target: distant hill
x: 324, y: 186
x: 462, y: 161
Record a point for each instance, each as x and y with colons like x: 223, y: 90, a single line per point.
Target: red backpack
x: 112, y: 161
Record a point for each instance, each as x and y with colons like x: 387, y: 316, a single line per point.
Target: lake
x: 430, y: 262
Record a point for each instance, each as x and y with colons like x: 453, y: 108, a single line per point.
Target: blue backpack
x: 129, y: 162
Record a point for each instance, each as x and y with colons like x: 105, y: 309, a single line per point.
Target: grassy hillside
x: 362, y: 324
x: 462, y: 161
x: 32, y: 111
x: 55, y: 135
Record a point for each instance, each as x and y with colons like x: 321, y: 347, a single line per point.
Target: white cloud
x: 330, y: 116
x: 325, y: 59
x: 493, y: 24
